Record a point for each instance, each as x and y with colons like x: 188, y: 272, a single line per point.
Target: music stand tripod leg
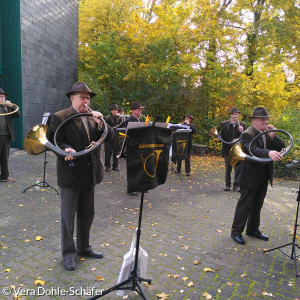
x: 43, y: 183
x: 293, y: 243
x: 134, y: 279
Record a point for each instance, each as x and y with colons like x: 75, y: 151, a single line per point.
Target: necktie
x: 264, y: 141
x: 85, y: 123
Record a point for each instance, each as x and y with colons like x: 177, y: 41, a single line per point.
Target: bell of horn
x: 213, y: 131
x: 35, y: 139
x: 236, y: 155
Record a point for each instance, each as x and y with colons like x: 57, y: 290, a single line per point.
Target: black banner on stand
x: 147, y: 157
x: 180, y: 144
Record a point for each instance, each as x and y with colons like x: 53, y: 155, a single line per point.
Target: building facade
x: 38, y: 57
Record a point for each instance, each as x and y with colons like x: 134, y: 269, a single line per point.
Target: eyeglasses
x: 82, y: 97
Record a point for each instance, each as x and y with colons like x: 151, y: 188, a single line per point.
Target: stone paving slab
x: 185, y: 230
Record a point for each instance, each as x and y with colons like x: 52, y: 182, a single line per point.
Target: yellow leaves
x: 190, y: 284
x: 7, y: 270
x: 207, y: 296
x: 39, y: 238
x: 162, y: 296
x: 178, y: 257
x: 39, y: 282
x: 208, y: 270
x: 196, y: 262
x: 27, y: 241
x: 173, y: 276
x: 244, y: 275
x: 185, y: 278
x: 229, y: 283
x: 99, y: 278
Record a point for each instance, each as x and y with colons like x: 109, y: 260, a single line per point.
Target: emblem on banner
x: 156, y: 155
x: 181, y: 147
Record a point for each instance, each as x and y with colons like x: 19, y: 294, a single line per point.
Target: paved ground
x: 185, y: 230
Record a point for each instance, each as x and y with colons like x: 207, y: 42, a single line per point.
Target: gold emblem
x: 180, y: 148
x: 156, y: 155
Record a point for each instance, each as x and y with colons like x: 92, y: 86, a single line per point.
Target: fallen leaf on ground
x: 208, y: 270
x: 162, y: 296
x: 39, y: 282
x: 99, y: 278
x: 207, y: 296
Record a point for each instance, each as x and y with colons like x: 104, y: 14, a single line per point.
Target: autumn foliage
x: 197, y: 56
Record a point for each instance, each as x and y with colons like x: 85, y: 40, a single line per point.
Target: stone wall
x: 49, y: 38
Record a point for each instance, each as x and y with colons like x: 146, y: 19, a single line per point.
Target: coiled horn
x: 10, y: 112
x: 214, y: 132
x: 237, y: 156
x: 36, y: 142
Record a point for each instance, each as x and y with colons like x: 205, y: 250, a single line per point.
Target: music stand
x: 144, y: 142
x: 43, y: 183
x: 134, y: 278
x: 293, y: 243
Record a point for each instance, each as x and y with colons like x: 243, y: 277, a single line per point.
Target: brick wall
x: 49, y: 38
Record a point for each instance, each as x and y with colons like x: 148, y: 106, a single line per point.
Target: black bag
x: 147, y: 157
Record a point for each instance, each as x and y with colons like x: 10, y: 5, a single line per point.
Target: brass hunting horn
x: 16, y: 108
x: 214, y: 132
x: 36, y: 142
x: 237, y: 156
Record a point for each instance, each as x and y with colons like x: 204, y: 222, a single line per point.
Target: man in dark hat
x: 136, y: 112
x: 113, y: 120
x: 121, y: 111
x: 253, y: 176
x: 187, y: 162
x: 7, y: 133
x: 77, y: 178
x: 230, y: 130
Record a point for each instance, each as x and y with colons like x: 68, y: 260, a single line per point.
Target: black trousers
x: 111, y: 150
x: 79, y: 203
x: 4, y: 155
x: 248, y: 208
x: 228, y: 169
x: 187, y: 164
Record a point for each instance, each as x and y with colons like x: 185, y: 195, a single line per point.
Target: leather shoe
x: 91, y: 253
x: 236, y: 188
x: 132, y: 193
x: 227, y: 188
x: 188, y: 174
x: 69, y: 264
x: 238, y: 238
x: 116, y: 169
x: 257, y: 234
x: 7, y: 179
